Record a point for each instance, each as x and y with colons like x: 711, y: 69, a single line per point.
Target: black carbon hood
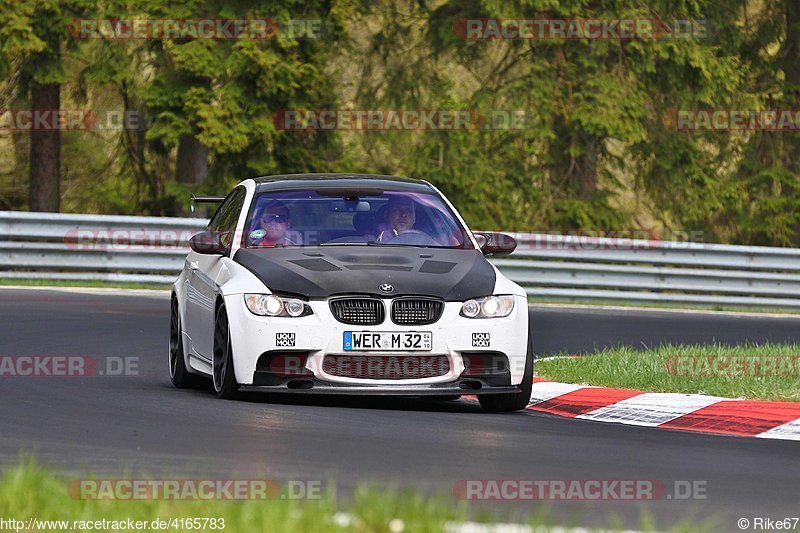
x: 319, y: 272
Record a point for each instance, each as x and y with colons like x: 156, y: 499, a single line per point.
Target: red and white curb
x: 687, y: 412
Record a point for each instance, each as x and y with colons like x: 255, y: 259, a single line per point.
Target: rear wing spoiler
x: 205, y: 200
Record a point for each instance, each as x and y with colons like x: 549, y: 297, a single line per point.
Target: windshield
x: 352, y: 217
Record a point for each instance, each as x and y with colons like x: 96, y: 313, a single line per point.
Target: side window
x: 225, y: 219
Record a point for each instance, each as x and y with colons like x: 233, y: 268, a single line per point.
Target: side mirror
x: 493, y: 243
x: 208, y: 242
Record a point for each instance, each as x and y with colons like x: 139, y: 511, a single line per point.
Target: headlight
x: 488, y: 307
x: 271, y: 305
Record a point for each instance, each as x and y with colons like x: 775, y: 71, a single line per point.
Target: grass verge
x: 30, y: 492
x: 762, y: 372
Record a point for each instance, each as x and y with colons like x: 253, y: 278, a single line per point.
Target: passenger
x: 272, y: 227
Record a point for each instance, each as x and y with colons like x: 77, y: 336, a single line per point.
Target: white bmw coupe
x: 349, y: 284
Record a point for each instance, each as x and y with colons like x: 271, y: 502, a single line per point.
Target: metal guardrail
x: 94, y: 247
x: 579, y: 268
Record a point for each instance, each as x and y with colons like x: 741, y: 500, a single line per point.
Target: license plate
x: 388, y: 341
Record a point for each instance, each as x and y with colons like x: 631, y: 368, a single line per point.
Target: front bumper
x: 320, y: 334
x: 318, y: 386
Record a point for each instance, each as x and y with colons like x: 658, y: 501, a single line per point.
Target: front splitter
x: 326, y: 387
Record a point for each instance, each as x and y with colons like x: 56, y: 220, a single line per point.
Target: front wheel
x: 504, y: 403
x: 223, y: 374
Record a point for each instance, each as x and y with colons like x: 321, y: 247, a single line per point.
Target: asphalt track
x: 141, y: 424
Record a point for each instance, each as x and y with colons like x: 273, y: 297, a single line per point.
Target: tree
x: 594, y: 134
x: 31, y: 46
x: 764, y: 206
x: 213, y: 100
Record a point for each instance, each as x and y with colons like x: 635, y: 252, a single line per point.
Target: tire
x: 224, y: 377
x: 505, y: 403
x: 178, y: 373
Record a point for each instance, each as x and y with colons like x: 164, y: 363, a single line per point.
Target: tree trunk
x: 192, y: 164
x: 586, y: 168
x: 45, y: 154
x: 576, y: 174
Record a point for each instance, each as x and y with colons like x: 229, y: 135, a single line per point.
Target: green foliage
x: 30, y: 491
x: 595, y: 148
x: 35, y: 33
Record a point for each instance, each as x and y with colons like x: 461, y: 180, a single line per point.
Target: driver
x: 400, y: 216
x: 271, y: 227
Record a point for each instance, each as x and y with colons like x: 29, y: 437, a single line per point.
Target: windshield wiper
x: 362, y: 243
x: 395, y: 245
x: 398, y: 245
